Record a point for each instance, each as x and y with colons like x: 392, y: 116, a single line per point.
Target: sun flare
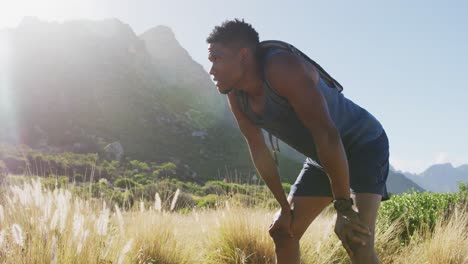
x: 7, y: 115
x: 12, y: 12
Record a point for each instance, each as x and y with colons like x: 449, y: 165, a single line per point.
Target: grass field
x: 39, y: 225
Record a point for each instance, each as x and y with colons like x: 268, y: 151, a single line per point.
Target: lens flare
x: 7, y: 110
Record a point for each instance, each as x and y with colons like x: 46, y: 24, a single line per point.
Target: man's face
x: 226, y: 66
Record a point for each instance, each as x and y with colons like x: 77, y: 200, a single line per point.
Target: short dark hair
x: 234, y: 33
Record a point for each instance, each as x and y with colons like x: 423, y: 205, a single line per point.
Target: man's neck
x: 252, y: 84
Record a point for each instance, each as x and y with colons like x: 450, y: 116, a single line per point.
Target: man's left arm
x: 298, y: 84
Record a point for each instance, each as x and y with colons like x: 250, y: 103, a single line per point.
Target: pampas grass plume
x: 174, y: 200
x: 119, y: 218
x: 17, y: 234
x: 125, y: 250
x: 157, y: 202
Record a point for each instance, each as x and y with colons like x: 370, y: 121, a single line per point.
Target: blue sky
x: 404, y: 61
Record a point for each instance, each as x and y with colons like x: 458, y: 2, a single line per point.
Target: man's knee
x: 283, y: 241
x: 359, y: 249
x: 364, y: 253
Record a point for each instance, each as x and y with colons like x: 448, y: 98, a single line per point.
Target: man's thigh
x: 305, y: 210
x: 369, y: 167
x: 312, y: 181
x: 309, y: 195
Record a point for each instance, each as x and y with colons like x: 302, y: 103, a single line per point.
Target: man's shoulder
x: 282, y: 65
x: 285, y: 69
x: 280, y: 59
x: 279, y: 54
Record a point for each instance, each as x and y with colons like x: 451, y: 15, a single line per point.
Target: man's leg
x: 305, y: 210
x: 368, y: 206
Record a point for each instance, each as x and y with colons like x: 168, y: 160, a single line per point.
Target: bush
x: 165, y: 169
x: 185, y: 201
x: 212, y: 188
x: 286, y: 187
x: 125, y: 183
x: 209, y: 201
x: 123, y: 199
x: 52, y: 182
x: 420, y: 210
x: 229, y: 187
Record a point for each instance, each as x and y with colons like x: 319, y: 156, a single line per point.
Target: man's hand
x: 349, y: 228
x: 281, y: 225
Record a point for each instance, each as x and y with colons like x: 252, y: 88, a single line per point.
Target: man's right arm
x: 260, y: 154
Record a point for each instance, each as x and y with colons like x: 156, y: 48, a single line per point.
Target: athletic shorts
x: 368, y: 171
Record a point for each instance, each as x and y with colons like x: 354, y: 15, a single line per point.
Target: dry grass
x: 240, y: 236
x: 41, y: 226
x: 448, y: 243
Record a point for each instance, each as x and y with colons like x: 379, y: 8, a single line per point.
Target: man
x: 284, y: 94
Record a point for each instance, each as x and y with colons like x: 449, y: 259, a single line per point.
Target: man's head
x: 232, y: 50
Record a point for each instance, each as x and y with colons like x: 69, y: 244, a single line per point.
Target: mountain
x: 80, y: 85
x: 463, y: 168
x: 441, y: 177
x: 398, y: 183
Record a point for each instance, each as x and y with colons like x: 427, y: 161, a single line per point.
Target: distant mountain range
x: 440, y: 177
x: 398, y: 183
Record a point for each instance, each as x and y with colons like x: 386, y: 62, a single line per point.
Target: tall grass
x: 448, y: 243
x: 240, y: 236
x: 38, y: 225
x: 43, y: 226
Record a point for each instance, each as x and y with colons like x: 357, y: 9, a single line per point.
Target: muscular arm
x: 298, y: 84
x: 260, y: 154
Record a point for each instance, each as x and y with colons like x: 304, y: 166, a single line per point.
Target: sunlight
x: 7, y: 115
x: 4, y: 61
x: 12, y: 12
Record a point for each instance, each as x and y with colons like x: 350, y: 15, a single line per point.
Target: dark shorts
x: 368, y: 171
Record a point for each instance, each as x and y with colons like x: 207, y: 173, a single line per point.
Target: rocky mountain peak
x: 439, y: 168
x: 161, y: 42
x: 175, y: 65
x: 161, y: 33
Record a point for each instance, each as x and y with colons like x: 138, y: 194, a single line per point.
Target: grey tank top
x: 355, y: 125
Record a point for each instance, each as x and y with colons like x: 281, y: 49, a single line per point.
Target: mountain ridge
x: 442, y: 177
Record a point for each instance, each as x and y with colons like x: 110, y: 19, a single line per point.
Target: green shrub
x: 420, y: 210
x: 209, y: 201
x: 286, y: 187
x: 139, y: 165
x: 229, y: 187
x: 212, y: 188
x: 52, y: 182
x: 125, y: 183
x: 185, y: 201
x: 164, y: 170
x: 123, y: 198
